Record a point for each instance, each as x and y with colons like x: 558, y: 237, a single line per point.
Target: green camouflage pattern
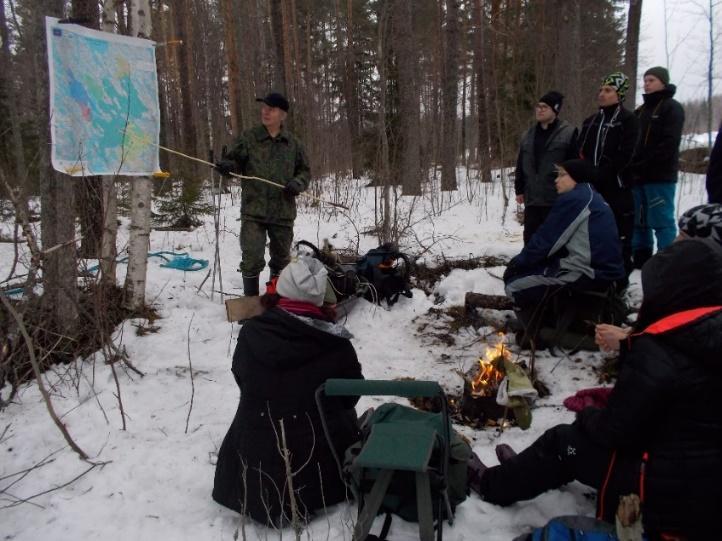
x: 280, y: 159
x: 253, y: 247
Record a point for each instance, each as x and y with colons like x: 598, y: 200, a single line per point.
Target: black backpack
x: 387, y: 271
x: 342, y: 277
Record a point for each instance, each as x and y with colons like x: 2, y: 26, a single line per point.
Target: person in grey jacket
x: 550, y: 141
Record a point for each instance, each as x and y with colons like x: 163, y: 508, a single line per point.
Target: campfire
x: 490, y: 373
x: 477, y: 407
x: 478, y: 402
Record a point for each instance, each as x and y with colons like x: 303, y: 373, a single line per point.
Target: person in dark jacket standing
x: 550, y: 141
x: 660, y: 432
x: 655, y: 165
x: 281, y: 357
x: 271, y: 152
x: 714, y: 170
x: 607, y: 140
x: 576, y: 246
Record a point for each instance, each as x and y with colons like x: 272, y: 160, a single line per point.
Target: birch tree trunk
x: 109, y: 195
x: 234, y: 72
x: 140, y: 194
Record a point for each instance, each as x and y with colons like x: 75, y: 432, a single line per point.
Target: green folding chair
x: 401, y: 441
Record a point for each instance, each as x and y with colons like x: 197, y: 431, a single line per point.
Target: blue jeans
x: 653, y: 212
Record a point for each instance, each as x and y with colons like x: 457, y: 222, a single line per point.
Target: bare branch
x: 38, y: 377
x: 190, y: 368
x: 27, y: 500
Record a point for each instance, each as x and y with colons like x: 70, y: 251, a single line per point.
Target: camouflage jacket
x: 280, y: 159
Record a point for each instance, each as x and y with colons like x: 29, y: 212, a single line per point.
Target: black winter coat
x: 714, y: 171
x: 279, y: 362
x: 664, y: 409
x: 661, y: 119
x: 607, y: 140
x: 535, y: 172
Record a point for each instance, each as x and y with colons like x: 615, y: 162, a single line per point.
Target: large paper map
x: 104, y: 110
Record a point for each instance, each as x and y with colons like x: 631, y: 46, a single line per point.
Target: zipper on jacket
x: 642, y: 474
x: 602, y: 492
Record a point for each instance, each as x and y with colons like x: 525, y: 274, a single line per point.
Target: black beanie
x: 553, y: 99
x: 660, y: 73
x: 580, y: 170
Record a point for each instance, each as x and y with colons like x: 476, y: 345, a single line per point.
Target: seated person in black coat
x: 659, y: 435
x: 281, y: 357
x: 701, y: 221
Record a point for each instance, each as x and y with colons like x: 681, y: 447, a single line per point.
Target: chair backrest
x: 413, y: 447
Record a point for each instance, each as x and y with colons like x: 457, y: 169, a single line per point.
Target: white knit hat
x: 303, y: 279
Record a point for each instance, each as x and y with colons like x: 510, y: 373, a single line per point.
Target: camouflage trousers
x: 253, y: 247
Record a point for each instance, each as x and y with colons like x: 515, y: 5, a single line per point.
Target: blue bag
x: 572, y: 528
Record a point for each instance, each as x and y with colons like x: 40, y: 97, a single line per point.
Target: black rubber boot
x: 640, y: 257
x: 504, y: 453
x: 475, y: 470
x: 250, y: 286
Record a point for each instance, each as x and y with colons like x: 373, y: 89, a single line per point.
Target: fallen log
x: 494, y: 302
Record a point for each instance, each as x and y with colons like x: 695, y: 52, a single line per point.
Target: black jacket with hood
x: 664, y: 409
x: 661, y: 119
x: 279, y: 362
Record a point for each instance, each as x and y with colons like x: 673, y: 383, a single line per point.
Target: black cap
x: 274, y: 99
x: 553, y: 99
x: 580, y: 170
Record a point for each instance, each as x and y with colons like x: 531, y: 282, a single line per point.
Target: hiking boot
x: 524, y: 341
x: 504, y: 453
x: 475, y: 471
x: 250, y: 286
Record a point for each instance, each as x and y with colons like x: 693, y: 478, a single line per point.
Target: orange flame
x: 487, y: 380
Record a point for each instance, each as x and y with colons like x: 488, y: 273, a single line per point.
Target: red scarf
x: 301, y: 308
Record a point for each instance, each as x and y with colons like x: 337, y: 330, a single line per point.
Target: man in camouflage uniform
x: 268, y: 151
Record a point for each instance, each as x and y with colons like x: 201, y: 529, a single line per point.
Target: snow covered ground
x: 157, y: 479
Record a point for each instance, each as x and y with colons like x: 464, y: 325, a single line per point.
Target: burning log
x: 480, y: 409
x: 481, y: 384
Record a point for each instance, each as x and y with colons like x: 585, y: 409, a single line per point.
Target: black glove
x: 293, y: 188
x: 225, y: 167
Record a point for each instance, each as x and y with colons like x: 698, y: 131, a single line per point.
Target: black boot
x: 640, y: 257
x: 250, y: 286
x: 504, y: 453
x: 475, y: 470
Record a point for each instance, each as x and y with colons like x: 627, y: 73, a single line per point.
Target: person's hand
x: 608, y: 337
x: 512, y: 270
x: 225, y: 167
x: 520, y: 199
x: 292, y: 188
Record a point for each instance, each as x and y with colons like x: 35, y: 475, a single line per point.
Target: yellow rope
x: 246, y: 177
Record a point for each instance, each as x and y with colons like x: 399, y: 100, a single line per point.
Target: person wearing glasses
x: 549, y: 141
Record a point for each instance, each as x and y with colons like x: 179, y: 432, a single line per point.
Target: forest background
x: 405, y: 93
